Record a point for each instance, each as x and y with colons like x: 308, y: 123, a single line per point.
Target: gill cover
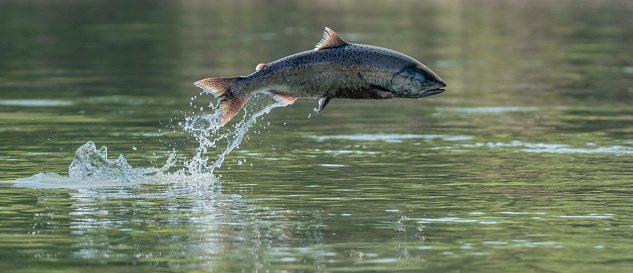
x: 407, y: 81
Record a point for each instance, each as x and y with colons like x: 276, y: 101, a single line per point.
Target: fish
x: 333, y: 69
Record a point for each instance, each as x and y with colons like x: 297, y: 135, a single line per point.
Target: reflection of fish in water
x: 334, y: 69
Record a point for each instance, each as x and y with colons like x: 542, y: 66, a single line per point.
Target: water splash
x: 209, y: 134
x: 91, y: 167
x: 90, y: 163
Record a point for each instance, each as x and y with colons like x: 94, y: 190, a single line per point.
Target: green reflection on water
x: 533, y: 172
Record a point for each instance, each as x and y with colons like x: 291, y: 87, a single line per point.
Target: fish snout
x: 431, y: 77
x: 436, y: 87
x: 416, y: 82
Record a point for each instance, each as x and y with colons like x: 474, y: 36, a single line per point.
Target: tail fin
x: 230, y: 105
x: 215, y: 86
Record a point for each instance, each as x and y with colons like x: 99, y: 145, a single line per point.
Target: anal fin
x: 282, y: 98
x: 323, y: 101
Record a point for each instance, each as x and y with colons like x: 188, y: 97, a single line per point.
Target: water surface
x: 523, y: 165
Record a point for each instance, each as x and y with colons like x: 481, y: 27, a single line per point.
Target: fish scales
x: 345, y: 72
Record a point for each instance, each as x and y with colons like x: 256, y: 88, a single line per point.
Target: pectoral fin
x: 282, y: 98
x: 322, y: 103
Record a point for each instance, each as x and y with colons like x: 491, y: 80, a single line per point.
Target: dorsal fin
x: 260, y: 67
x: 330, y: 39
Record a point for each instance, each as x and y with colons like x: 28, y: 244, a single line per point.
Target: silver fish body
x: 334, y: 69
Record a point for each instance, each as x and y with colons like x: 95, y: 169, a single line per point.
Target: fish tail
x: 216, y: 86
x: 230, y: 104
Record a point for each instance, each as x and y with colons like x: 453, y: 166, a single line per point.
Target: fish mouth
x: 432, y: 92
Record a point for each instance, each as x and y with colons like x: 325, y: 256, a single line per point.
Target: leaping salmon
x: 334, y: 69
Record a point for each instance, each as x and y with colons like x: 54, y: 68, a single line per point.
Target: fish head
x: 416, y: 81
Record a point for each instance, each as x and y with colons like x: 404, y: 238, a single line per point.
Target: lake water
x: 525, y: 164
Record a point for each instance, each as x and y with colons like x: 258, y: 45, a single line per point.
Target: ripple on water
x: 617, y: 150
x: 36, y: 103
x: 590, y: 216
x: 454, y: 220
x: 391, y: 138
x: 332, y: 165
x: 193, y: 184
x: 491, y: 110
x: 346, y: 152
x: 552, y: 148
